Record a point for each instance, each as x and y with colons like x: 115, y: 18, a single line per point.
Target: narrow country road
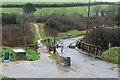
x: 82, y: 66
x: 87, y: 65
x: 43, y: 68
x: 37, y: 30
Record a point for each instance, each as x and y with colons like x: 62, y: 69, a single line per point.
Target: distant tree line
x: 53, y: 5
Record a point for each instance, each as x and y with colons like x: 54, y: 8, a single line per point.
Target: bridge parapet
x: 63, y: 59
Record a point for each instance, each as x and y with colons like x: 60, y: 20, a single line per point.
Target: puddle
x: 5, y: 65
x: 66, y: 69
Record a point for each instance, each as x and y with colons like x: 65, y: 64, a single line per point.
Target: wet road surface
x: 82, y: 66
x: 89, y: 66
x: 43, y: 68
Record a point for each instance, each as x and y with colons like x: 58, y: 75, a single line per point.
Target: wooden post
x: 36, y: 46
x: 79, y: 45
x: 95, y: 52
x: 83, y: 46
x: 48, y: 44
x: 25, y: 45
x: 88, y: 20
x: 68, y: 61
x: 109, y: 47
x: 88, y: 48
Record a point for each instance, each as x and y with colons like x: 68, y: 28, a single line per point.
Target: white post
x: 109, y: 47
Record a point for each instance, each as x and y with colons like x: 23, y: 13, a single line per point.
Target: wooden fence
x: 49, y: 46
x: 31, y: 45
x: 90, y: 49
x: 62, y: 60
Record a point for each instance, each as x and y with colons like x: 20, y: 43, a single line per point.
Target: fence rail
x: 49, y: 46
x: 90, y: 49
x: 62, y: 60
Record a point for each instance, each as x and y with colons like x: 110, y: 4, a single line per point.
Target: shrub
x: 14, y: 35
x: 32, y: 55
x: 112, y: 55
x: 59, y: 23
x: 8, y: 19
x: 103, y: 36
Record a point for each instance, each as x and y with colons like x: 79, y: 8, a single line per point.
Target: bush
x: 112, y: 55
x: 11, y: 35
x: 44, y: 41
x: 12, y: 56
x: 14, y: 35
x: 103, y: 36
x: 9, y: 19
x: 53, y: 23
x: 6, y: 78
x: 16, y: 30
x: 58, y: 23
x: 32, y: 55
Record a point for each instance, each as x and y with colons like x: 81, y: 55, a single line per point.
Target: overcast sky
x: 56, y: 0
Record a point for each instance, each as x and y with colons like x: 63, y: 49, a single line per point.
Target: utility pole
x: 88, y: 20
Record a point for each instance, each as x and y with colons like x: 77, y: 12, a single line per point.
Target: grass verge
x: 71, y: 33
x: 54, y: 58
x: 42, y: 31
x: 6, y: 78
x: 32, y: 26
x: 112, y: 55
x: 31, y: 55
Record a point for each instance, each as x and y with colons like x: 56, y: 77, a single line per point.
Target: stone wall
x: 62, y: 59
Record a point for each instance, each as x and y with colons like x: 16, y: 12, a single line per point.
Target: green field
x: 4, y: 3
x: 66, y: 11
x: 47, y: 11
x: 117, y: 2
x: 38, y: 1
x: 11, y: 10
x: 71, y: 33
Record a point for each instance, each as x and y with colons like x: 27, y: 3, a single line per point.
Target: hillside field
x: 45, y: 1
x: 46, y: 11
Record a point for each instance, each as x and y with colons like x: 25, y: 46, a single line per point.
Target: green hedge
x: 112, y: 55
